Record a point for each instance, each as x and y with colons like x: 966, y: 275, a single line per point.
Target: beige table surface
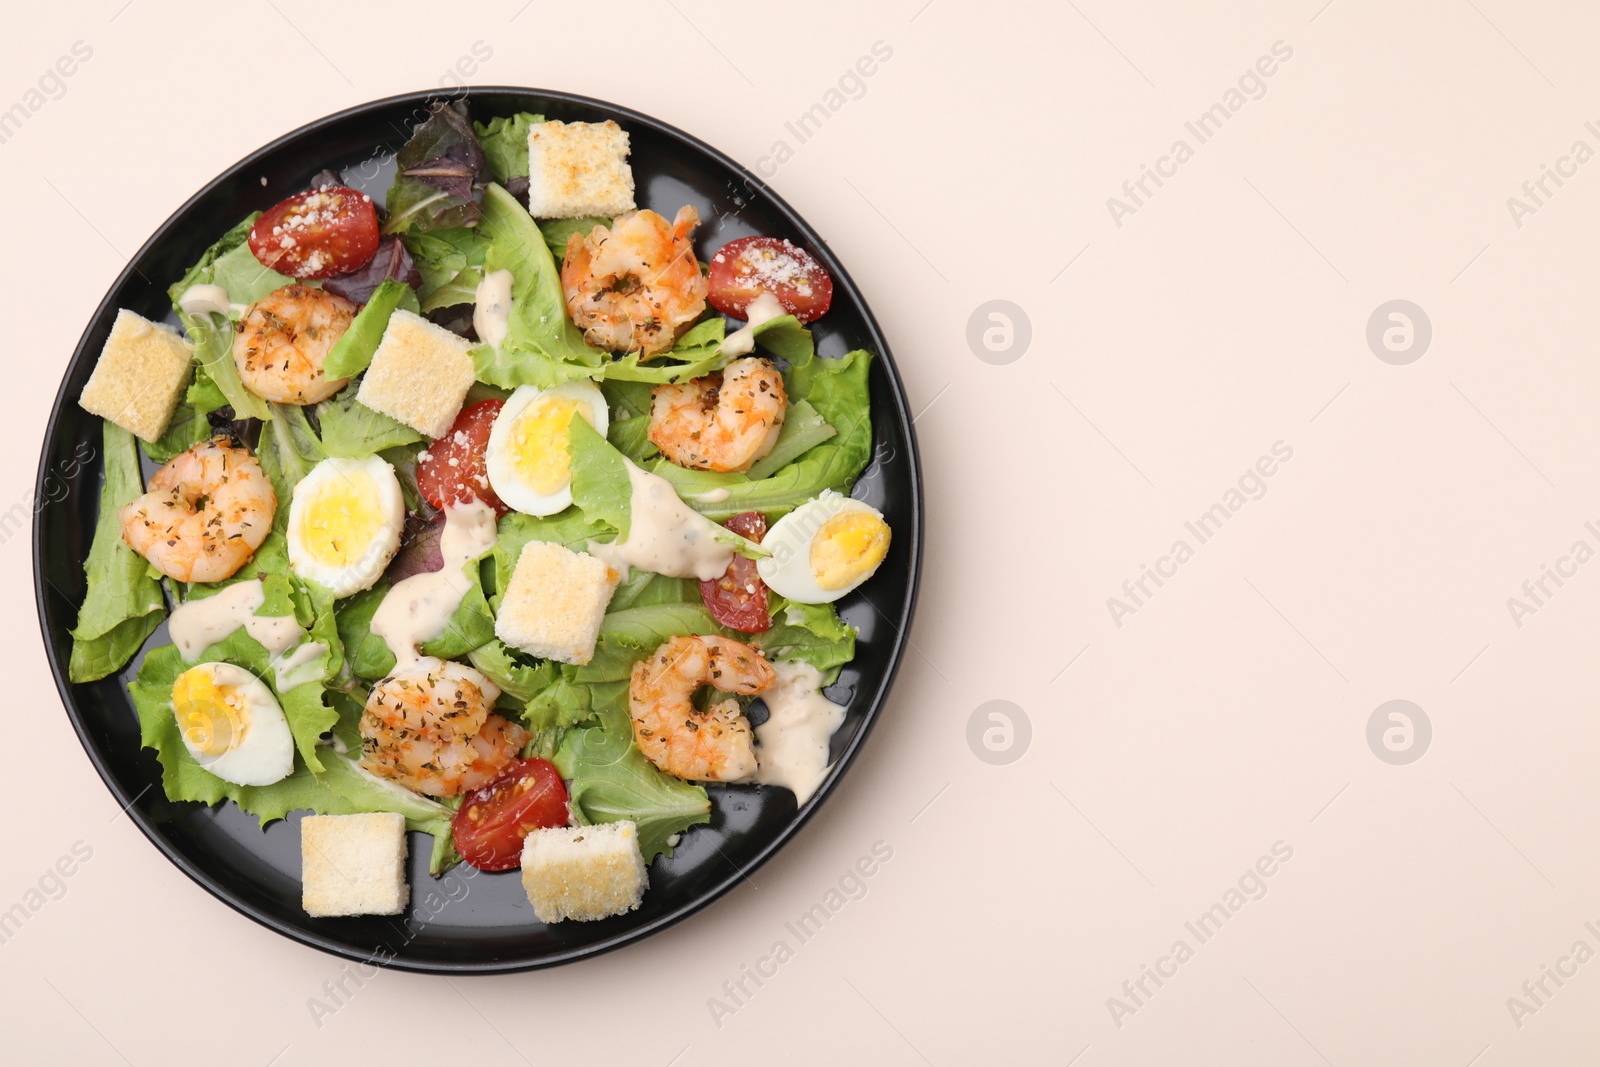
x: 1175, y: 739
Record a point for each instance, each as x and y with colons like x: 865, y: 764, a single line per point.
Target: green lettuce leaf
x: 353, y: 430
x: 803, y: 429
x: 289, y: 449
x: 610, y: 780
x: 542, y: 347
x: 353, y: 351
x: 451, y: 264
x: 810, y: 633
x: 519, y: 680
x: 183, y: 778
x: 123, y: 604
x: 505, y: 144
x: 600, y: 484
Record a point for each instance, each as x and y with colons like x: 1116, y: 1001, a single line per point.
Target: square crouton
x: 584, y: 872
x: 419, y: 375
x: 140, y: 377
x: 578, y: 168
x: 554, y: 602
x: 353, y: 864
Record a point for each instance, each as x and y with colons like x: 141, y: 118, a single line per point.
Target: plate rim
x: 309, y: 937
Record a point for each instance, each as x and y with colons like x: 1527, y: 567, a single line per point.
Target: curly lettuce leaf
x: 505, y: 144
x: 353, y: 351
x: 183, y: 778
x: 610, y: 780
x: 451, y: 264
x: 518, y: 680
x: 810, y: 633
x: 352, y: 430
x: 123, y: 604
x: 542, y: 347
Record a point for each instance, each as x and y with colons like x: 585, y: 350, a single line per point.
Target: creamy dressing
x: 712, y: 496
x: 205, y: 300
x: 418, y: 609
x: 300, y: 666
x: 741, y: 342
x: 792, y: 745
x: 665, y: 535
x: 491, y: 313
x: 196, y: 625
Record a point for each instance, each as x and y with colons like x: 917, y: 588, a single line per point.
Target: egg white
x: 500, y: 457
x: 259, y: 747
x: 787, y: 571
x: 371, y: 482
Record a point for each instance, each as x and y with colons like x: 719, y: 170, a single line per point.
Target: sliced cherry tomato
x: 745, y: 268
x: 491, y: 823
x: 317, y: 233
x: 452, y: 470
x: 738, y: 600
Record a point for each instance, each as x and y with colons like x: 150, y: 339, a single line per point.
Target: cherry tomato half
x: 452, y: 470
x: 491, y: 823
x: 738, y: 600
x: 745, y: 268
x: 317, y: 233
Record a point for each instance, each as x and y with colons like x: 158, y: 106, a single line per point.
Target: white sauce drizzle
x: 299, y: 666
x: 418, y: 609
x: 491, y: 314
x: 792, y: 745
x: 196, y: 625
x: 712, y: 496
x: 205, y: 300
x: 741, y: 342
x: 665, y: 536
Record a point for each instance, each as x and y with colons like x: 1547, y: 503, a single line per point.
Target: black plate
x: 465, y: 922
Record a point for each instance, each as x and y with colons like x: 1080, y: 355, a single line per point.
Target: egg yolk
x: 539, y: 442
x: 210, y: 716
x: 341, y: 522
x: 848, y: 548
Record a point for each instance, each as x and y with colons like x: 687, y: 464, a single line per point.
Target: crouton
x: 555, y: 600
x: 419, y: 375
x: 140, y: 377
x: 584, y: 872
x: 353, y: 864
x: 578, y: 168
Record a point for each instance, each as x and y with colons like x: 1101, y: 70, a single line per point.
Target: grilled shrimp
x: 428, y: 727
x: 637, y: 286
x: 284, y: 337
x: 205, y: 513
x: 714, y: 745
x: 722, y: 422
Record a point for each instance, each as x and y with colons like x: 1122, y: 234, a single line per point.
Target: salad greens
x: 123, y: 605
x: 352, y: 352
x: 455, y: 215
